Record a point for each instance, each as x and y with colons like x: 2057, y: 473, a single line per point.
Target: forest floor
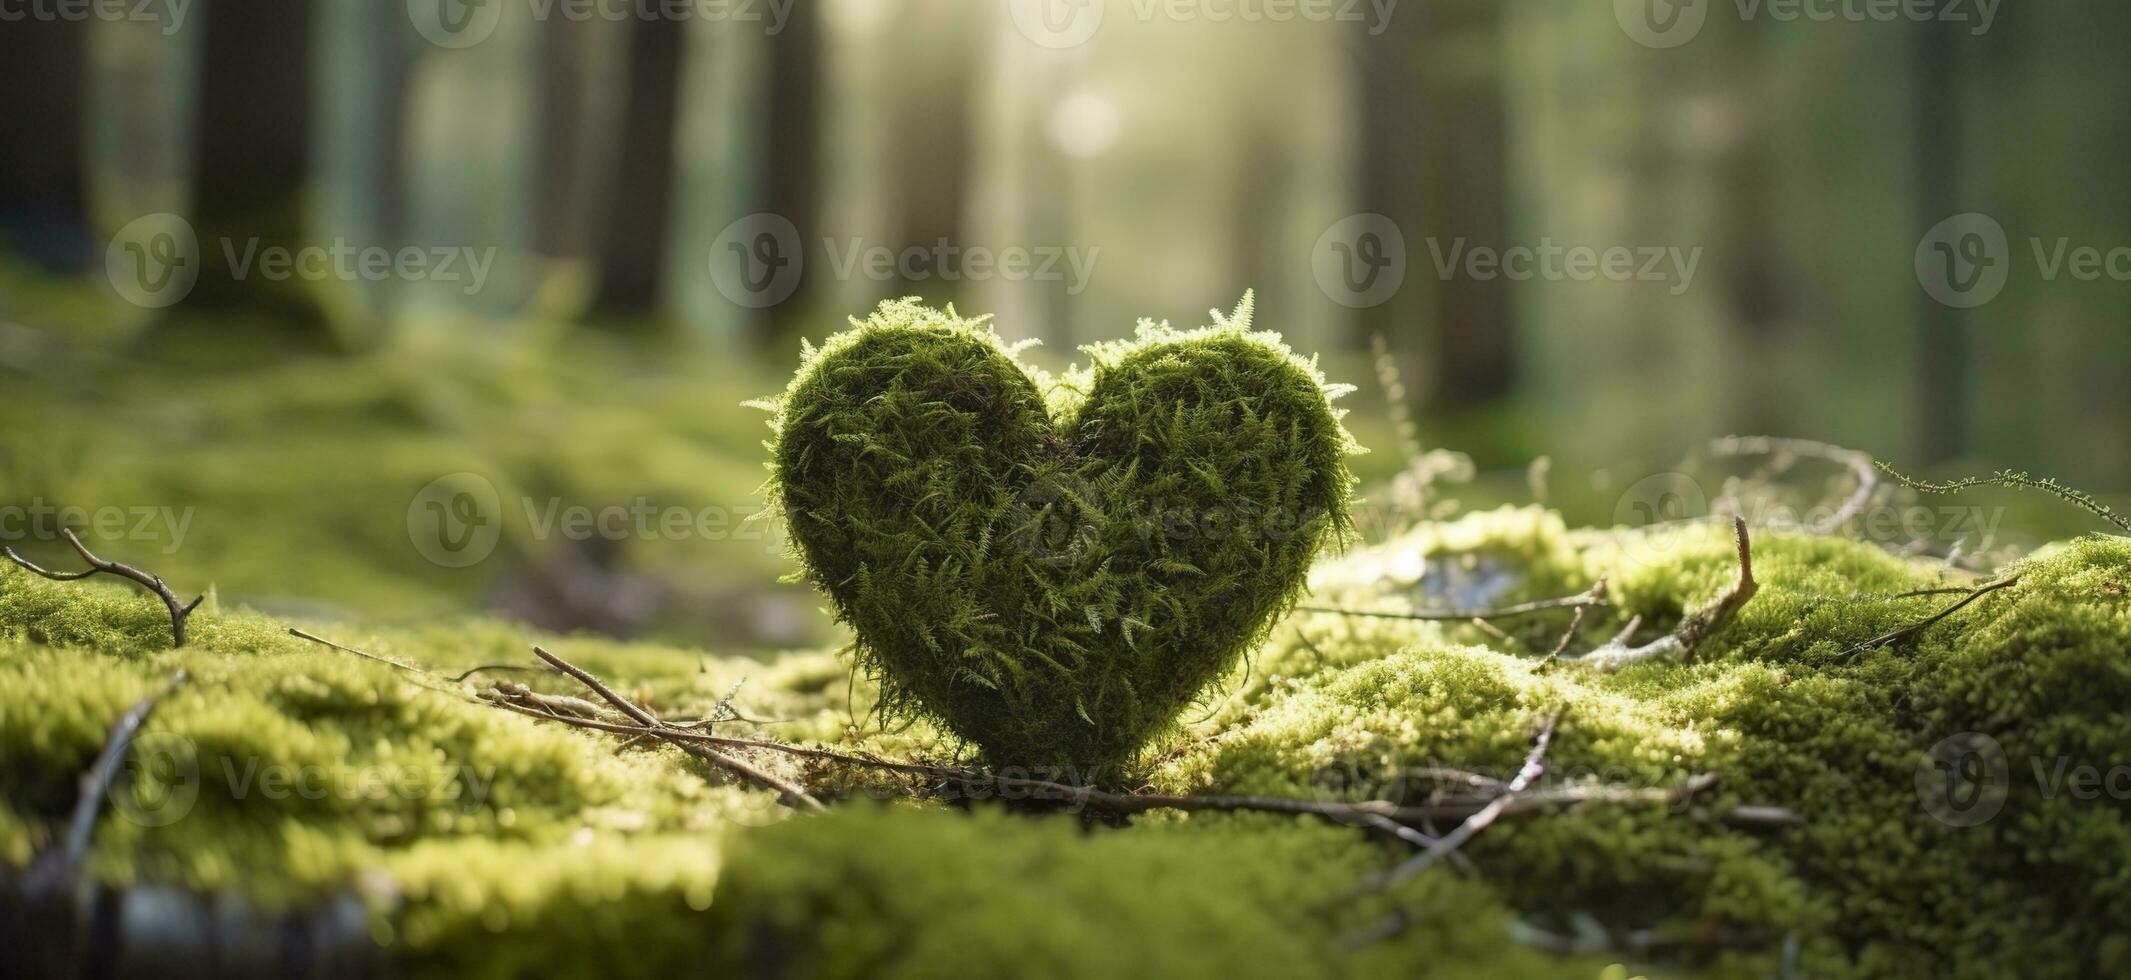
x: 1840, y: 781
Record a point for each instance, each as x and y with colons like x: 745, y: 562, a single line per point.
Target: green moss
x: 224, y: 452
x: 571, y: 849
x: 888, y: 892
x: 1054, y: 569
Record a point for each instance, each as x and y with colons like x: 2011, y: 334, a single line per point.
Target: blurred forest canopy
x: 608, y: 159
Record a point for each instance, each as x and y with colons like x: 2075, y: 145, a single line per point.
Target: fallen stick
x: 179, y: 611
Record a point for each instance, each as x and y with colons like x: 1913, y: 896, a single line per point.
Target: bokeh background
x: 413, y: 309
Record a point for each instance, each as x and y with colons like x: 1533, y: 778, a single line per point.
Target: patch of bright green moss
x: 573, y: 849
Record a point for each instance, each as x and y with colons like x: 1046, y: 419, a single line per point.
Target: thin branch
x: 1859, y: 464
x: 1396, y: 922
x: 1692, y: 630
x: 2014, y: 478
x: 1593, y: 596
x: 1568, y: 636
x: 1896, y: 636
x: 471, y: 671
x: 1128, y: 803
x: 58, y: 868
x: 301, y: 635
x: 1534, y: 766
x: 179, y: 611
x: 791, y: 792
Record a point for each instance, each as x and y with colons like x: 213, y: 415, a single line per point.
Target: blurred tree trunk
x: 363, y: 55
x: 896, y: 151
x: 1432, y: 160
x: 470, y: 159
x: 632, y: 258
x: 2044, y: 145
x: 1944, y: 352
x: 584, y: 78
x: 714, y: 160
x: 43, y: 208
x: 254, y: 131
x: 141, y: 112
x: 792, y: 112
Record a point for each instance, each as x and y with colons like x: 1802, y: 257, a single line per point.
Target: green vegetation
x: 282, y: 476
x: 1054, y: 569
x: 524, y: 843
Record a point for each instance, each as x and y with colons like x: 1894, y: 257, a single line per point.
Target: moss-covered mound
x: 1952, y: 804
x: 1055, y: 582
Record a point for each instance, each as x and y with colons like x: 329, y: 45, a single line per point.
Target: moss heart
x: 1053, y: 568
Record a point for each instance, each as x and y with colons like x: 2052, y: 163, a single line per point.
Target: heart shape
x: 1053, y: 568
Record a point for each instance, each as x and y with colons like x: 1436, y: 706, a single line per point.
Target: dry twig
x: 56, y: 870
x: 1859, y: 464
x: 1128, y: 803
x: 1593, y: 596
x: 179, y: 611
x: 1534, y: 765
x: 1448, y: 844
x: 1896, y: 636
x: 791, y: 792
x: 1692, y: 630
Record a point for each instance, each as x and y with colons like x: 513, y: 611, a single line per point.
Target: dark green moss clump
x: 1054, y: 574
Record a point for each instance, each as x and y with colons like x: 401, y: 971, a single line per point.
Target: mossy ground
x: 522, y: 845
x: 283, y: 474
